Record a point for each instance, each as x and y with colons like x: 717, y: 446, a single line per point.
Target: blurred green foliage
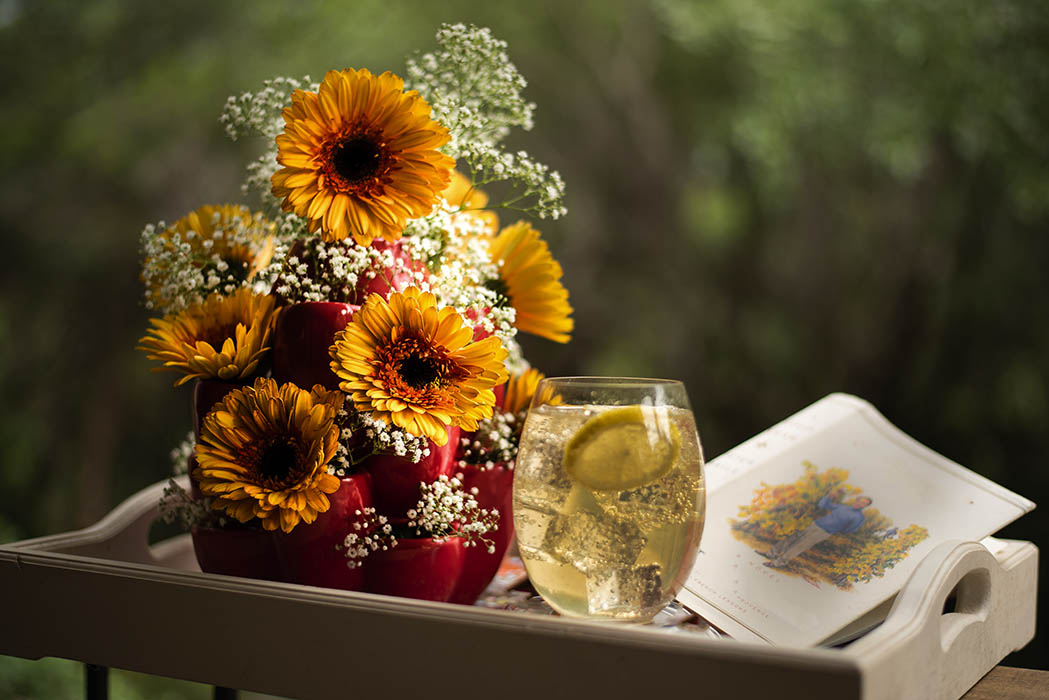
x: 768, y: 201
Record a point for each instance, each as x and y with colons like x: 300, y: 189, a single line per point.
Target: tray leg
x: 96, y: 685
x: 96, y: 682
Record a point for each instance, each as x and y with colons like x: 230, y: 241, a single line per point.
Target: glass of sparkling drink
x: 609, y: 499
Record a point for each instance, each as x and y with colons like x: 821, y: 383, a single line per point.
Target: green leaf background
x: 769, y: 201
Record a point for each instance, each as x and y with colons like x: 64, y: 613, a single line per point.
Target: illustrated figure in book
x: 841, y: 519
x: 823, y: 529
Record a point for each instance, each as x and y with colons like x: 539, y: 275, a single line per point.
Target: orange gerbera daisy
x: 530, y: 280
x: 471, y: 202
x: 222, y: 338
x: 264, y: 451
x: 415, y: 366
x: 230, y: 232
x: 360, y: 157
x: 228, y: 242
x: 520, y: 390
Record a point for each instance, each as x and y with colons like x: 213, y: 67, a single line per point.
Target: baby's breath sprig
x: 370, y: 533
x: 338, y: 271
x: 445, y: 510
x: 363, y: 436
x: 181, y: 268
x: 259, y: 114
x: 462, y: 275
x: 177, y: 506
x: 390, y: 439
x: 181, y: 454
x: 473, y: 88
x: 495, y: 442
x: 290, y: 228
x: 535, y: 189
x: 475, y: 91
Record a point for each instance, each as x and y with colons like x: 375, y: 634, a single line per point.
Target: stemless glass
x: 609, y: 499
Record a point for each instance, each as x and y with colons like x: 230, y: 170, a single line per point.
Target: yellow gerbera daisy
x: 264, y: 450
x: 520, y: 390
x: 227, y: 240
x: 530, y: 279
x: 360, y: 157
x: 222, y: 338
x: 471, y: 202
x: 414, y: 365
x: 215, y: 232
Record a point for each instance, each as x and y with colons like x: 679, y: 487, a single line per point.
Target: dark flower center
x: 217, y: 335
x: 278, y: 460
x: 419, y: 372
x: 237, y: 269
x: 356, y: 159
x: 499, y: 286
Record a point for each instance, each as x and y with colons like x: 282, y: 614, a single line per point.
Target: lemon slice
x: 621, y: 449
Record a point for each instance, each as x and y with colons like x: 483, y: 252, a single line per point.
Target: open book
x: 815, y: 524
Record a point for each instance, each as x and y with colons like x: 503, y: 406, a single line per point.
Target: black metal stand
x: 96, y: 685
x: 96, y: 682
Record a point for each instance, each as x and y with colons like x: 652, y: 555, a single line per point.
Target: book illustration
x: 758, y: 577
x: 823, y: 529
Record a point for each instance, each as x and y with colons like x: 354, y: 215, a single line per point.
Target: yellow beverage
x: 609, y: 506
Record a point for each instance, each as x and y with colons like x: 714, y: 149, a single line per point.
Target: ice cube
x: 537, y: 495
x: 581, y: 499
x: 627, y: 591
x: 532, y: 525
x: 587, y: 540
x: 673, y: 499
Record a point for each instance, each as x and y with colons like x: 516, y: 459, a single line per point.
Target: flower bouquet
x: 358, y: 388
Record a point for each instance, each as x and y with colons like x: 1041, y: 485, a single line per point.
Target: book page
x: 820, y: 519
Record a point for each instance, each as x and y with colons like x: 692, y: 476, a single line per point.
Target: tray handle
x: 972, y: 603
x: 123, y: 534
x: 950, y: 623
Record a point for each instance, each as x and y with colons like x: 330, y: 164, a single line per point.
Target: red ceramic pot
x: 240, y: 552
x: 474, y: 315
x: 308, y: 553
x: 494, y: 490
x: 384, y: 280
x: 207, y: 393
x: 395, y: 480
x: 416, y: 568
x: 194, y: 486
x: 301, y: 340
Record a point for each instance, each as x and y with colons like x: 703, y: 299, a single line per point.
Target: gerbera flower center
x: 357, y: 159
x: 216, y: 335
x: 419, y: 372
x: 237, y: 267
x: 500, y: 287
x: 278, y: 460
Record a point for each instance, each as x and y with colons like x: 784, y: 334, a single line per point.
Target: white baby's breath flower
x: 371, y: 532
x: 181, y: 454
x: 181, y: 265
x: 445, y: 510
x: 177, y: 506
x: 475, y: 91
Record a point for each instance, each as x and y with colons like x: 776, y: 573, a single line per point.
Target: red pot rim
x: 425, y: 542
x: 505, y: 466
x: 355, y: 307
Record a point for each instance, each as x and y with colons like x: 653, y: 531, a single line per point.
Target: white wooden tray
x: 103, y: 596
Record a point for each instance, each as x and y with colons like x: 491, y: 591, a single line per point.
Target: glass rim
x: 621, y: 381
